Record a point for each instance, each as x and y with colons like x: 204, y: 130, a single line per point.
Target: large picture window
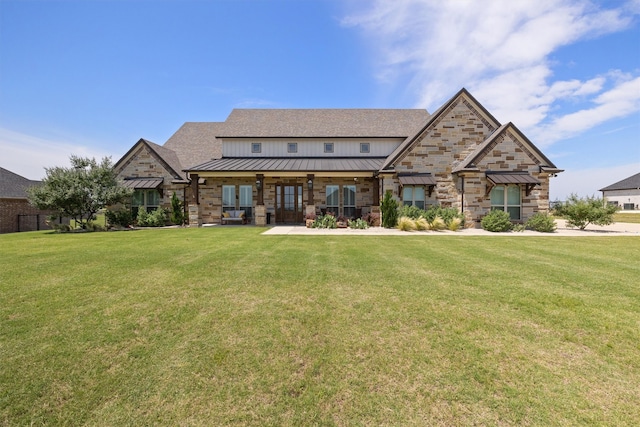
x: 349, y: 201
x: 507, y: 198
x: 246, y: 200
x: 333, y: 199
x: 145, y: 199
x: 413, y: 196
x: 228, y: 198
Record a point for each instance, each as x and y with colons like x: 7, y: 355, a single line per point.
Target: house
x: 625, y: 193
x: 279, y: 164
x: 16, y: 213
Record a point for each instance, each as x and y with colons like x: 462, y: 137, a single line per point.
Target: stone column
x: 195, y: 219
x: 261, y: 216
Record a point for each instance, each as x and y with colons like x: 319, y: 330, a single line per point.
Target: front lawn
x: 224, y: 326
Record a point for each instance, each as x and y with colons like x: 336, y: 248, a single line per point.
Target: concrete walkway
x: 617, y: 229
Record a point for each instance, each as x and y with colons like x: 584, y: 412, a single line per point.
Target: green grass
x: 627, y: 217
x: 224, y: 326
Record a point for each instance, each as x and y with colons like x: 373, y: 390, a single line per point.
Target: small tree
x: 177, y: 211
x: 80, y: 191
x: 389, y: 208
x: 581, y: 212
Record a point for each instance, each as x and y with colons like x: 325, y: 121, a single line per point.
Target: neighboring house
x: 281, y: 164
x: 625, y: 193
x: 16, y: 213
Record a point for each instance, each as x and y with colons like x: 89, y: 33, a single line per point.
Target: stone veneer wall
x: 506, y: 154
x: 443, y: 146
x: 143, y: 164
x: 211, y: 193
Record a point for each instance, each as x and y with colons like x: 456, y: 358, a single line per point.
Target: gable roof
x: 631, y: 183
x: 13, y: 186
x: 323, y: 123
x: 195, y: 143
x: 482, y: 149
x: 166, y: 156
x: 412, y: 138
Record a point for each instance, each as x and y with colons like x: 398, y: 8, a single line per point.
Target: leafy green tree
x: 580, y: 212
x: 389, y: 208
x: 177, y: 210
x: 80, y: 191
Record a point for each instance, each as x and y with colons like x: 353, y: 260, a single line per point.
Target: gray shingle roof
x: 13, y: 186
x: 195, y: 143
x: 323, y: 123
x: 631, y: 183
x: 318, y: 164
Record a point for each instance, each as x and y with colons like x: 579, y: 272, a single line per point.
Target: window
x: 506, y: 198
x: 333, y: 199
x: 413, y: 196
x: 228, y: 198
x: 365, y: 147
x: 256, y: 147
x: 349, y: 201
x: 292, y: 147
x: 146, y: 199
x: 246, y: 200
x: 328, y: 147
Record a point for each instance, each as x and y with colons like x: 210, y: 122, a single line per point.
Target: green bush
x: 389, y: 208
x: 157, y: 218
x: 358, y: 223
x: 177, y: 210
x: 497, y: 221
x: 581, y: 212
x: 542, y: 222
x: 119, y: 218
x: 410, y: 211
x: 326, y: 221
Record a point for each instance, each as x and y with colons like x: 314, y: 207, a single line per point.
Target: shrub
x: 541, y: 222
x: 447, y: 215
x: 410, y: 211
x: 454, y: 224
x: 422, y: 224
x: 358, y: 223
x: 406, y: 224
x: 177, y: 210
x: 326, y: 221
x: 119, y: 218
x: 581, y: 212
x: 438, y: 224
x: 157, y: 218
x: 389, y: 209
x: 373, y: 219
x: 497, y: 221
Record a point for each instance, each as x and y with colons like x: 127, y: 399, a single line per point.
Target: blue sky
x: 92, y: 77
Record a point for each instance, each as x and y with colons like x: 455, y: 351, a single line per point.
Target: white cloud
x: 29, y: 155
x: 502, y: 52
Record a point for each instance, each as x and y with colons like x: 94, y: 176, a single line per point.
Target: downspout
x: 462, y: 195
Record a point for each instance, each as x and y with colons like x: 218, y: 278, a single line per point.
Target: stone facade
x: 454, y: 152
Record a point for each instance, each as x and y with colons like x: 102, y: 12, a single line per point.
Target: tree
x: 80, y: 191
x: 177, y: 210
x: 389, y: 208
x: 581, y: 212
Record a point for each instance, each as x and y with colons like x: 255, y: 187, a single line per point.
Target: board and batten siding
x: 309, y: 147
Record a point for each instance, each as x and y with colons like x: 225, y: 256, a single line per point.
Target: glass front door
x: 288, y: 204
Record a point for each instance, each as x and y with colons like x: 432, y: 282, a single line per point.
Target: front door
x: 288, y: 203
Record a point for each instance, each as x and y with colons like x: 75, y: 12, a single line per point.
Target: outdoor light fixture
x: 259, y: 185
x: 310, y: 185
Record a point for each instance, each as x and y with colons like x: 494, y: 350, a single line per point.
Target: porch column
x: 311, y: 207
x: 376, y: 191
x: 195, y: 219
x: 259, y: 187
x: 194, y: 189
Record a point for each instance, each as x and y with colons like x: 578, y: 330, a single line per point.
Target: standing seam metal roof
x: 345, y: 164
